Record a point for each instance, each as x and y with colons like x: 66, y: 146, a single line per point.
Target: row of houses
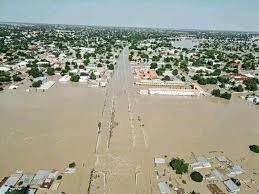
x: 43, y: 179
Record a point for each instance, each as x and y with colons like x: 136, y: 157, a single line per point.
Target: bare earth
x: 51, y: 129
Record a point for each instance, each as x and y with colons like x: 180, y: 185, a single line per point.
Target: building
x: 39, y: 178
x: 13, y: 179
x: 163, y: 188
x: 204, y: 69
x: 231, y: 186
x: 234, y: 170
x: 65, y: 78
x: 201, y: 162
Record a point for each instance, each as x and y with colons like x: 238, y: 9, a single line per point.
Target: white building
x: 201, y: 162
x: 204, y: 69
x: 231, y: 186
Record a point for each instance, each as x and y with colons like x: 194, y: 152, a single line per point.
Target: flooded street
x: 122, y: 144
x: 113, y: 134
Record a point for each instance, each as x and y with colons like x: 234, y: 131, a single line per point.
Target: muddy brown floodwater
x: 51, y: 129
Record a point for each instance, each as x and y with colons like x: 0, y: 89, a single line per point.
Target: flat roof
x: 231, y: 186
x: 163, y: 187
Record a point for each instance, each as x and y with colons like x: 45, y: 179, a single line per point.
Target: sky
x: 235, y: 15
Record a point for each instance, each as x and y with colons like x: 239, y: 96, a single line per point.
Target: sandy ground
x: 51, y: 129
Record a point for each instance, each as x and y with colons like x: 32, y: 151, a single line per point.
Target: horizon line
x: 132, y: 27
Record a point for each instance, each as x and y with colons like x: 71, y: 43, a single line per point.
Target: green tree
x: 111, y: 67
x: 74, y: 78
x: 196, y: 176
x: 37, y: 84
x: 175, y: 72
x: 92, y: 76
x: 251, y: 84
x: 254, y: 148
x: 51, y: 71
x: 153, y: 65
x: 179, y: 165
x: 166, y: 78
x: 216, y: 92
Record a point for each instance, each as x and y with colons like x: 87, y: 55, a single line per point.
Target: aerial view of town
x: 128, y: 109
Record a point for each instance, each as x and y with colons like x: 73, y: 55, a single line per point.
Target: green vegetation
x: 72, y: 165
x: 59, y: 177
x: 35, y: 72
x: 196, y: 176
x: 4, y: 76
x: 225, y: 95
x: 51, y: 71
x: 251, y: 84
x: 111, y: 67
x: 179, y: 165
x: 37, y: 84
x: 17, y: 78
x: 254, y: 148
x: 175, y: 72
x: 74, y: 78
x: 193, y: 192
x: 238, y: 88
x: 166, y: 78
x: 153, y: 65
x: 92, y: 76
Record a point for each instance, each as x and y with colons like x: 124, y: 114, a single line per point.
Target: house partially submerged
x: 231, y: 186
x: 163, y: 188
x: 201, y: 162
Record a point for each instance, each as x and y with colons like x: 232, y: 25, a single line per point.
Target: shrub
x: 254, y: 148
x: 74, y: 78
x: 50, y: 71
x: 37, y: 84
x: 92, y: 76
x: 166, y: 78
x: 72, y: 165
x: 153, y: 65
x: 196, y: 176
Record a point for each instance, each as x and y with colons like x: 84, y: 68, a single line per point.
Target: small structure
x: 4, y: 189
x: 214, y: 189
x: 202, y: 162
x: 39, y: 178
x: 83, y: 79
x: 235, y: 170
x: 221, y: 158
x: 25, y: 180
x: 231, y: 186
x: 13, y: 87
x: 13, y: 179
x: 159, y: 160
x: 5, y: 69
x: 49, y: 180
x: 65, y: 78
x: 143, y: 92
x: 46, y: 85
x: 179, y: 190
x: 163, y: 187
x: 42, y: 79
x: 217, y: 174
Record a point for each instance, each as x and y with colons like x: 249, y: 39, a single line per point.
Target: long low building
x: 175, y: 92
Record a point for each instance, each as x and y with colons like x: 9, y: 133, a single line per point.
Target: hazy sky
x: 176, y: 14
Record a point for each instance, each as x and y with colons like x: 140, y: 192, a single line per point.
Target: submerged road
x: 122, y: 162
